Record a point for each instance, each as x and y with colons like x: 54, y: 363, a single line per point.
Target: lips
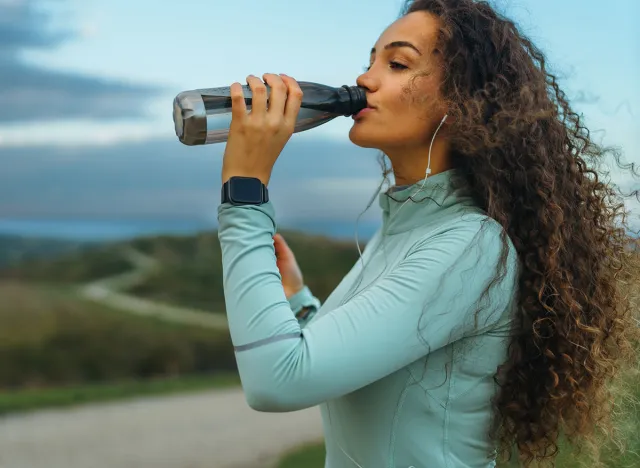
x: 364, y: 111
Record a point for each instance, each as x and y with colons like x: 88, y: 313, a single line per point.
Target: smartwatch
x: 244, y: 191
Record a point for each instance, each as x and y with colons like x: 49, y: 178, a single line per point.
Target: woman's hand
x: 256, y: 139
x: 292, y: 281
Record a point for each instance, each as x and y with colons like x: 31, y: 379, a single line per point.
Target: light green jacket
x: 397, y: 358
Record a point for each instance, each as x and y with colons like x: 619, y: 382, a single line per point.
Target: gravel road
x: 213, y: 429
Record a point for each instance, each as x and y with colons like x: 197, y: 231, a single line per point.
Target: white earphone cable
x: 428, y: 171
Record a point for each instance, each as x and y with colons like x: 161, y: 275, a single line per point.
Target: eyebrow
x: 396, y: 44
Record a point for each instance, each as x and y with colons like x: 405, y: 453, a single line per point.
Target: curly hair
x: 531, y: 165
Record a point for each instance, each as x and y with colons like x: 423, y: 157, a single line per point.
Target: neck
x: 410, y: 163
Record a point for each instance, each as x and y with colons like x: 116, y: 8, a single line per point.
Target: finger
x: 278, y: 241
x: 277, y: 244
x: 294, y: 99
x: 281, y: 246
x: 259, y: 98
x: 238, y: 104
x: 278, y: 95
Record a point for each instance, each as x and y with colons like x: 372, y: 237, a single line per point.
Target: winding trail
x: 110, y: 291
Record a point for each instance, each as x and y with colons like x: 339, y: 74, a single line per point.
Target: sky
x: 80, y: 78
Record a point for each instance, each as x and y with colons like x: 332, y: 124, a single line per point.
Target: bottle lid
x: 358, y: 100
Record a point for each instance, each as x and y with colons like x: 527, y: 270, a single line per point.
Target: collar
x: 428, y: 202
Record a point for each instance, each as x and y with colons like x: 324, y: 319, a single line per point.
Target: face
x: 402, y: 85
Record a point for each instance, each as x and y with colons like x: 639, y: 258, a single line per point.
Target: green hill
x: 57, y: 261
x: 191, y: 267
x: 18, y: 249
x: 50, y: 337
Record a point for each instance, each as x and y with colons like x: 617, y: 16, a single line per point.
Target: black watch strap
x: 244, y: 191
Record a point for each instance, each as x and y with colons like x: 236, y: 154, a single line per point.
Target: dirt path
x: 214, y: 429
x: 110, y: 291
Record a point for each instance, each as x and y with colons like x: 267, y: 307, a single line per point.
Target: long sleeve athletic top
x: 401, y: 356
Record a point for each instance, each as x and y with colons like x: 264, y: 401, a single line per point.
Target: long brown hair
x: 532, y: 166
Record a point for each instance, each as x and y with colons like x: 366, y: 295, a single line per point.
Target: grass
x: 58, y: 350
x: 27, y: 400
x: 309, y: 456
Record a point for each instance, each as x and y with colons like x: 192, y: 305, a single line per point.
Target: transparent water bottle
x: 203, y: 116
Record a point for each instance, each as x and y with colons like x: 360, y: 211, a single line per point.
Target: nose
x: 368, y: 81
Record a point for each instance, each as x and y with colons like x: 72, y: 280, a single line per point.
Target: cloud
x: 21, y: 26
x: 165, y: 179
x: 32, y: 93
x: 78, y: 132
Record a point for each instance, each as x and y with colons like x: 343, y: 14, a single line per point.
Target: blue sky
x: 149, y: 51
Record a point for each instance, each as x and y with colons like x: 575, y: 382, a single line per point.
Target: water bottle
x: 203, y: 116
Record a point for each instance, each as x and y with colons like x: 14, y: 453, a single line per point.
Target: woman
x: 486, y: 312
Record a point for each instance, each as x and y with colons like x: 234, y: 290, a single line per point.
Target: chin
x: 365, y: 138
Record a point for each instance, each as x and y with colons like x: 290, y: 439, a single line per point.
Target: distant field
x: 57, y: 349
x: 190, y: 267
x: 69, y: 265
x: 33, y: 399
x: 16, y: 249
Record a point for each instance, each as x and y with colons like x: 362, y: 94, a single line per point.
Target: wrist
x: 290, y: 292
x: 264, y: 178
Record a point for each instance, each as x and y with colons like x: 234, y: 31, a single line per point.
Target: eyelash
x: 394, y: 65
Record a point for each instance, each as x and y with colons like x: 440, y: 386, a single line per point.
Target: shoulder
x: 472, y: 230
x: 472, y: 244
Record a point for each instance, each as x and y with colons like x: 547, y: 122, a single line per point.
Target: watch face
x: 245, y: 190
